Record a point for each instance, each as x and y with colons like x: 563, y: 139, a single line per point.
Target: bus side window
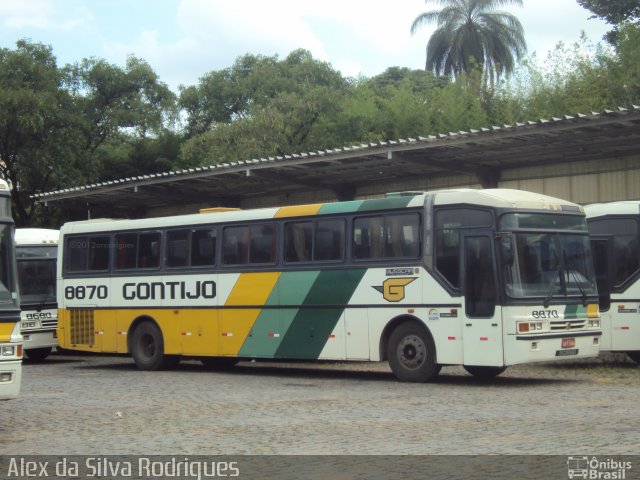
x: 77, y: 259
x: 480, y: 287
x: 448, y: 255
x: 235, y: 245
x: 149, y: 250
x: 329, y: 240
x: 126, y: 250
x: 203, y: 247
x: 99, y: 253
x: 297, y: 241
x: 262, y: 247
x: 177, y: 242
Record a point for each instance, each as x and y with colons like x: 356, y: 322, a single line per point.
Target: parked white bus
x: 615, y: 242
x: 480, y: 278
x: 36, y: 252
x: 10, y: 339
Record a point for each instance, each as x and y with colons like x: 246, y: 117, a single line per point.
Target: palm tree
x: 473, y: 32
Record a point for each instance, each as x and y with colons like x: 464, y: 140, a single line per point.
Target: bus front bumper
x: 548, y: 346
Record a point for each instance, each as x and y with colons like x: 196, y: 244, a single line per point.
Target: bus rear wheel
x: 412, y: 354
x: 38, y: 354
x: 147, y: 348
x: 484, y: 373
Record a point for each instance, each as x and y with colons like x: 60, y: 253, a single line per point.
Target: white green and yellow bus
x: 480, y: 278
x: 10, y: 338
x: 615, y: 242
x: 36, y: 253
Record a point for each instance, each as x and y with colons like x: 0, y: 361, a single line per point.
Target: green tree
x: 37, y: 138
x: 472, y: 32
x: 109, y: 99
x: 53, y: 120
x: 279, y: 104
x: 615, y: 13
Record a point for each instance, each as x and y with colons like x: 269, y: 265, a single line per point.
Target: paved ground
x: 99, y: 405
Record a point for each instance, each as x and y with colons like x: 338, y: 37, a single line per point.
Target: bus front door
x: 482, y: 331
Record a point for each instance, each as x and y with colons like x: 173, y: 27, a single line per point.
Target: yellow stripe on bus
x: 235, y: 324
x: 298, y: 210
x: 5, y: 331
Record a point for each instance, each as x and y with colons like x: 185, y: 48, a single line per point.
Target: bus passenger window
x: 149, y: 250
x: 388, y: 236
x: 77, y: 254
x: 297, y: 242
x: 203, y: 247
x: 263, y: 244
x: 177, y: 241
x: 235, y: 245
x: 126, y: 250
x: 99, y: 253
x: 329, y: 240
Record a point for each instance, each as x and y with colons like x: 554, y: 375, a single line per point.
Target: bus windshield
x: 548, y: 264
x: 8, y: 293
x: 37, y: 274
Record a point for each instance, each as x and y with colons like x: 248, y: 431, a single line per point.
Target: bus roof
x: 36, y: 236
x: 625, y: 207
x: 497, y: 198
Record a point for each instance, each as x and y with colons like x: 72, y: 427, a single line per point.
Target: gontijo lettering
x: 171, y: 290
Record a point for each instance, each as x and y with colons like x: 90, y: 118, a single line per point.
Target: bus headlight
x: 530, y: 327
x: 594, y: 323
x: 8, y: 351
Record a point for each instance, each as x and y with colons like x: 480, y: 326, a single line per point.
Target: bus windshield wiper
x: 578, y: 283
x: 549, y: 297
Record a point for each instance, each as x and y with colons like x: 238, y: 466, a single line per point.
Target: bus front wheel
x: 412, y: 354
x: 147, y: 348
x: 484, y: 373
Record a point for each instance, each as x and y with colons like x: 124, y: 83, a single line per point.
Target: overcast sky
x: 184, y: 39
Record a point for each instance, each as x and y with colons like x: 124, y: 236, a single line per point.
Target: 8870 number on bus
x: 88, y: 292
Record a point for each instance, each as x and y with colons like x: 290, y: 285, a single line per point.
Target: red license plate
x: 568, y: 342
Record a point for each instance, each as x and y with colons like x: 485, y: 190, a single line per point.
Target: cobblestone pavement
x: 101, y: 405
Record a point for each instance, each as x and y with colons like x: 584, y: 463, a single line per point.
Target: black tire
x: 412, y: 353
x: 219, y: 363
x: 485, y: 373
x: 147, y: 348
x: 38, y: 354
x: 635, y: 356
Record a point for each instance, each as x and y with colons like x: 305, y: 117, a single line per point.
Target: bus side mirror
x: 508, y: 255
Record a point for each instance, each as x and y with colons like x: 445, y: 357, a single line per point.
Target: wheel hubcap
x: 412, y: 351
x: 148, y: 345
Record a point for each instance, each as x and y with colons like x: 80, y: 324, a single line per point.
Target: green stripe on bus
x: 385, y: 203
x: 572, y: 312
x: 312, y: 325
x: 341, y: 207
x: 271, y: 326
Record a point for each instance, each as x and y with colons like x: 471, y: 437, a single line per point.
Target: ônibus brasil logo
x: 597, y: 469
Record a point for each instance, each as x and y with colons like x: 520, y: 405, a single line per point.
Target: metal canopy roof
x: 487, y: 153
